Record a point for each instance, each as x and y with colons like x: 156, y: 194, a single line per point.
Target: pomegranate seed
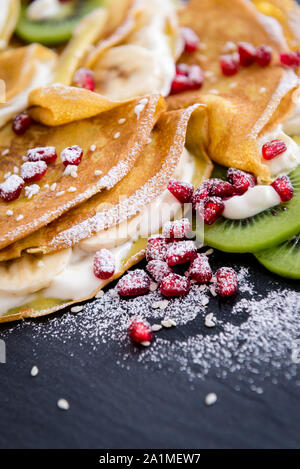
x: 263, y: 55
x: 104, y: 264
x: 175, y: 285
x: 284, y: 188
x: 11, y: 188
x: 72, y: 155
x: 188, y: 77
x: 247, y: 53
x: 21, y: 123
x: 200, y: 269
x: 183, y: 191
x: 140, y: 331
x: 190, y: 39
x: 84, y: 78
x: 33, y: 170
x: 158, y: 269
x: 272, y: 149
x: 200, y: 194
x: 229, y: 65
x: 134, y: 283
x: 290, y: 59
x: 241, y: 180
x: 47, y: 154
x: 181, y: 252
x: 211, y: 210
x: 156, y: 248
x: 178, y: 229
x: 227, y: 282
x: 219, y: 188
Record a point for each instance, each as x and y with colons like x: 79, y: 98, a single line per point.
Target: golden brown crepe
x: 9, y: 17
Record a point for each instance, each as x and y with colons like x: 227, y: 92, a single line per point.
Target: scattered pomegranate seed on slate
x: 156, y: 248
x: 140, y: 331
x: 47, y: 154
x: 247, y: 53
x: 229, y: 65
x: 272, y: 149
x: 181, y: 252
x: 183, y: 191
x: 199, y: 269
x: 11, y: 188
x: 200, y: 194
x: 190, y: 39
x: 84, y: 78
x: 290, y: 59
x: 263, y: 55
x: 158, y: 269
x: 227, y: 282
x: 241, y: 180
x: 134, y: 283
x: 104, y: 264
x: 21, y: 123
x: 219, y: 188
x: 175, y: 285
x: 72, y: 155
x: 33, y: 170
x: 284, y: 188
x: 177, y: 230
x: 213, y: 208
x: 187, y: 77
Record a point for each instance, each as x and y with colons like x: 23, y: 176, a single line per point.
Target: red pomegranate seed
x: 227, y: 282
x: 211, y: 210
x: 229, y: 64
x: 199, y: 195
x: 181, y: 252
x: 11, y: 188
x: 175, y: 285
x: 241, y: 180
x: 140, y: 331
x: 290, y: 59
x: 134, y: 283
x: 21, y: 123
x: 263, y: 55
x: 33, y: 170
x: 84, y: 78
x: 272, y: 149
x: 47, y: 154
x: 158, y: 269
x: 284, y: 188
x: 247, y: 53
x: 219, y: 188
x: 156, y: 248
x: 190, y: 39
x: 188, y: 77
x: 104, y: 264
x: 72, y: 155
x: 183, y: 191
x: 178, y: 229
x: 200, y: 269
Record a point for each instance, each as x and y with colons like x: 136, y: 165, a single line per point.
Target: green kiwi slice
x: 264, y: 230
x: 284, y: 259
x: 55, y: 30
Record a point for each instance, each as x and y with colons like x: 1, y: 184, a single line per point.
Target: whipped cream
x: 43, y: 9
x: 292, y: 124
x: 286, y: 161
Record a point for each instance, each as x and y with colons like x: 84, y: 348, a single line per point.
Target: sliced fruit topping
x: 11, y: 188
x: 175, y: 285
x: 47, y: 154
x: 199, y: 269
x: 263, y: 55
x: 290, y: 59
x: 199, y: 195
x: 229, y: 64
x: 188, y: 77
x: 134, y: 283
x: 178, y: 229
x: 158, y: 269
x: 183, y: 191
x: 84, y: 78
x: 181, y: 252
x: 240, y: 180
x: 227, y: 282
x: 211, y: 210
x: 284, y: 188
x: 104, y: 264
x: 272, y: 149
x: 156, y: 248
x: 140, y: 332
x: 218, y: 188
x: 71, y: 155
x: 247, y: 53
x: 21, y: 123
x: 190, y: 39
x: 33, y: 170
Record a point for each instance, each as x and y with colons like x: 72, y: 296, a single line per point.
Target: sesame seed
x: 60, y: 193
x: 117, y: 135
x: 53, y: 187
x: 156, y: 327
x: 122, y: 121
x: 145, y: 344
x: 5, y: 152
x: 210, y: 320
x: 34, y: 371
x: 76, y: 309
x: 20, y: 217
x: 72, y: 189
x: 63, y: 404
x: 211, y: 398
x: 209, y: 252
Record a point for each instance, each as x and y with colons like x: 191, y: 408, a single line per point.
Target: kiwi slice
x: 284, y: 259
x: 58, y: 29
x: 264, y: 230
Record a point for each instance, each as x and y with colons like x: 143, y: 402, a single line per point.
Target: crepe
x: 10, y: 10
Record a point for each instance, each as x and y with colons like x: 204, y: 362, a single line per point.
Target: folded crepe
x: 242, y: 107
x: 10, y: 10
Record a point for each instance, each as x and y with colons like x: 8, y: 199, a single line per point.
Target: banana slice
x: 29, y: 273
x: 10, y: 10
